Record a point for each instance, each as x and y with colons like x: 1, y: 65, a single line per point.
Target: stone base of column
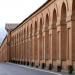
x: 59, y: 68
x: 27, y: 63
x: 43, y: 65
x: 32, y: 64
x: 59, y: 65
x: 49, y: 64
x: 36, y: 64
x: 50, y: 67
x: 70, y: 69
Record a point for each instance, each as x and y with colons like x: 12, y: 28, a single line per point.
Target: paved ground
x: 13, y: 69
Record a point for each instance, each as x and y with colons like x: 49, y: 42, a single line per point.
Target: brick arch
x: 63, y: 31
x: 73, y: 7
x: 47, y: 18
x: 66, y: 4
x: 63, y: 13
x: 41, y: 17
x: 31, y: 23
x: 35, y: 39
x: 47, y: 22
x: 41, y: 25
x: 28, y: 48
x: 27, y: 30
x: 56, y: 8
x: 24, y: 43
x: 35, y: 31
x: 35, y: 24
x: 40, y: 39
x: 31, y: 28
x: 54, y: 21
x: 30, y: 41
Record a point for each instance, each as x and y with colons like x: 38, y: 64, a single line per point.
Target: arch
x: 54, y: 19
x: 31, y: 30
x: 27, y: 44
x: 73, y: 7
x: 27, y: 31
x: 63, y: 13
x: 35, y: 26
x: 35, y: 42
x: 31, y: 42
x: 47, y: 22
x: 56, y: 8
x: 63, y: 31
x: 24, y: 33
x: 54, y: 32
x: 41, y: 25
x: 40, y: 40
x: 47, y: 37
x: 24, y: 44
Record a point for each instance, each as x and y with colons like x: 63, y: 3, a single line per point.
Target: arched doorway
x: 27, y: 42
x: 73, y: 8
x: 35, y: 42
x: 31, y: 42
x: 54, y: 50
x: 47, y: 38
x: 24, y: 45
x: 73, y: 30
x: 40, y: 40
x: 63, y: 32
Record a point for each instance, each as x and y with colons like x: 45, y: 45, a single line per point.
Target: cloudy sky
x: 15, y: 11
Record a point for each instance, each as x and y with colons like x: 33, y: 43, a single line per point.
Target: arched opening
x: 35, y: 42
x: 24, y: 45
x: 21, y: 42
x: 47, y: 22
x: 27, y: 42
x: 40, y: 41
x: 31, y: 42
x: 54, y: 50
x: 19, y: 47
x: 47, y: 37
x: 27, y: 32
x: 73, y: 8
x: 63, y: 32
x: 73, y: 29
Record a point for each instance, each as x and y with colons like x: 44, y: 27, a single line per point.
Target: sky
x: 15, y: 11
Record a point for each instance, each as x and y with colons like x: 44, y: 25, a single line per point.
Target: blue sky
x: 15, y: 11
